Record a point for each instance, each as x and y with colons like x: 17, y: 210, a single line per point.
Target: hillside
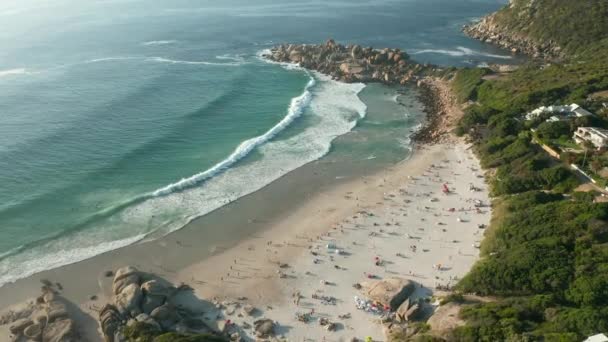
x: 547, y: 28
x: 545, y: 256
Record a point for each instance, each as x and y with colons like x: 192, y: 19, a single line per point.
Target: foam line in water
x: 459, y: 52
x: 36, y: 264
x: 161, y: 60
x: 12, y: 72
x: 159, y: 42
x: 296, y: 108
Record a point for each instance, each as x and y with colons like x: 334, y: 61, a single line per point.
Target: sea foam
x: 11, y: 72
x: 156, y: 59
x: 295, y: 110
x: 159, y: 42
x: 332, y: 109
x: 459, y: 51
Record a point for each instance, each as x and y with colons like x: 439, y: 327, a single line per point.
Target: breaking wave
x: 458, y: 52
x: 159, y: 42
x: 296, y: 109
x: 12, y: 72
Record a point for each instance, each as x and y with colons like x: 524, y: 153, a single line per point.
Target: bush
x: 553, y: 130
x: 466, y: 81
x: 173, y: 337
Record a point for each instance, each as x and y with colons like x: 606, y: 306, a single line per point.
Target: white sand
x: 409, y: 209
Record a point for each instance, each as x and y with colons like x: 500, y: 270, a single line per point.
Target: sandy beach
x: 381, y: 217
x: 418, y: 220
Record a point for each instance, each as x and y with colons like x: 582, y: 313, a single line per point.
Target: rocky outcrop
x: 59, y: 331
x: 128, y: 301
x: 139, y: 297
x: 155, y: 295
x: 45, y: 319
x: 124, y: 277
x: 503, y: 29
x: 111, y: 321
x: 264, y: 328
x: 391, y: 292
x: 350, y: 63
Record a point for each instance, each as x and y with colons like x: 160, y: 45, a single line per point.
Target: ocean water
x: 126, y: 119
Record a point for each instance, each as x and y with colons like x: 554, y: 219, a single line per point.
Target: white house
x: 562, y: 112
x: 596, y: 136
x: 597, y: 338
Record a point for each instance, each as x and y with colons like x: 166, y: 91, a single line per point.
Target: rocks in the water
x: 128, y: 301
x: 349, y: 63
x: 263, y: 328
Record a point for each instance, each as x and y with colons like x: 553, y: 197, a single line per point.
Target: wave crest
x: 162, y: 60
x: 159, y: 42
x: 296, y: 108
x: 11, y: 72
x: 459, y: 52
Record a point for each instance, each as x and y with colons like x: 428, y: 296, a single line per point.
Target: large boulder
x: 128, y: 301
x: 166, y: 315
x: 17, y: 327
x: 295, y: 56
x: 155, y: 294
x: 391, y: 292
x: 56, y: 310
x: 62, y: 330
x: 150, y: 303
x: 144, y: 318
x: 124, y: 277
x: 407, y: 310
x: 110, y: 321
x: 263, y: 328
x: 33, y: 332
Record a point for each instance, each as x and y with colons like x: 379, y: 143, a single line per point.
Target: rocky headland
x: 350, y: 63
x: 353, y: 63
x: 509, y: 29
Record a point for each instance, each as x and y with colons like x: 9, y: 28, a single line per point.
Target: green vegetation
x: 141, y: 332
x: 578, y: 27
x: 545, y: 256
x: 466, y: 81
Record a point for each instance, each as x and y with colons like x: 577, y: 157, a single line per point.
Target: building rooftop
x: 597, y: 338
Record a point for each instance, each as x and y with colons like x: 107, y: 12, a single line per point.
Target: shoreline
x: 314, y: 214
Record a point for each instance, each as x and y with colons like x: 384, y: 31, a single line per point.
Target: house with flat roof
x: 560, y: 112
x: 598, y: 137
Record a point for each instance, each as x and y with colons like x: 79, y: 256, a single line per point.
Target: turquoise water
x: 121, y: 119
